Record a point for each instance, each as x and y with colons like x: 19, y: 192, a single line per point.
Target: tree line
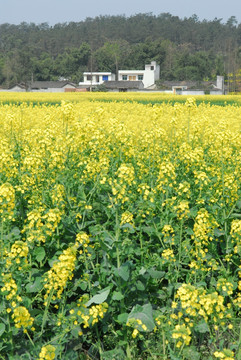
x: 185, y: 49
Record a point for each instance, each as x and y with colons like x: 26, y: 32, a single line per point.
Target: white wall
x: 95, y: 75
x: 50, y: 90
x: 16, y: 89
x: 192, y: 92
x: 150, y: 74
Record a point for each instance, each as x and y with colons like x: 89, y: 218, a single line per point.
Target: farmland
x: 120, y: 225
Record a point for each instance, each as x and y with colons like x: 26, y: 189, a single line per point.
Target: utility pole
x: 91, y: 68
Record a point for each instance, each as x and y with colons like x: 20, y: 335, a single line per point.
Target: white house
x: 147, y: 76
x: 96, y: 78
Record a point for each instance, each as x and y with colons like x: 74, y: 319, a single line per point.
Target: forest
x: 185, y: 49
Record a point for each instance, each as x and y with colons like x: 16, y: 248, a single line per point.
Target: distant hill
x: 185, y: 48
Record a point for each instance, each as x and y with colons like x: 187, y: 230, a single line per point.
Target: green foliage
x: 123, y: 246
x: 187, y: 48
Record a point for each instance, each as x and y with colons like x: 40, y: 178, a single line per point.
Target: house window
x: 97, y: 78
x: 140, y: 77
x: 89, y: 77
x: 105, y: 77
x: 152, y: 67
x: 124, y: 77
x: 132, y: 78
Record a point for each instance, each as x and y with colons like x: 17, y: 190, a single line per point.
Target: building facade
x: 147, y: 76
x: 51, y: 86
x: 124, y: 86
x: 96, y: 78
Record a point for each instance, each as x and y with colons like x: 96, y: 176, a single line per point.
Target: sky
x: 61, y: 11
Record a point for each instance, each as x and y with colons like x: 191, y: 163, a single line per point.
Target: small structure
x: 17, y: 88
x: 178, y: 89
x: 135, y: 79
x: 220, y: 83
x: 123, y: 86
x: 195, y: 87
x: 96, y: 78
x: 147, y: 76
x: 51, y: 86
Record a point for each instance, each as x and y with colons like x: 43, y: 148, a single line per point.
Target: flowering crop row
x: 120, y: 227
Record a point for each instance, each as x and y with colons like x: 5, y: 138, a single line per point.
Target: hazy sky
x: 59, y: 11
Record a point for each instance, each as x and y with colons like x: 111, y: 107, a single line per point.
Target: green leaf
x: 143, y: 313
x: 99, y: 298
x: 239, y: 204
x: 140, y: 286
x: 75, y: 331
x: 123, y: 272
x: 2, y: 328
x: 190, y: 353
x: 129, y: 227
x: 2, y: 307
x: 108, y: 241
x: 116, y: 354
x: 142, y: 271
x: 236, y: 215
x: 155, y: 274
x: 93, y: 351
x: 193, y: 212
x: 34, y: 287
x: 117, y: 295
x: 189, y: 231
x: 16, y: 232
x: 218, y: 232
x: 84, y: 286
x: 122, y: 318
x: 239, y: 355
x: 39, y: 253
x: 202, y: 327
x: 148, y: 230
x: 173, y: 357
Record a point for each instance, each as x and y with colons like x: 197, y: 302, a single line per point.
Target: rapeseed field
x: 120, y: 225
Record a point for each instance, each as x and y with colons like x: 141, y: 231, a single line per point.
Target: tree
x: 113, y: 42
x: 232, y: 22
x: 8, y: 70
x: 43, y: 67
x: 71, y: 63
x: 111, y: 55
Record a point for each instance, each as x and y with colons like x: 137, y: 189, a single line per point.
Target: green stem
x: 98, y: 342
x: 2, y: 245
x: 58, y: 243
x: 239, y: 345
x: 159, y: 237
x: 181, y: 349
x: 117, y: 234
x: 128, y: 351
x: 59, y: 338
x: 30, y: 266
x: 118, y: 256
x: 45, y: 316
x: 86, y: 267
x: 141, y: 244
x: 30, y: 338
x: 164, y: 343
x: 180, y: 249
x: 11, y: 334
